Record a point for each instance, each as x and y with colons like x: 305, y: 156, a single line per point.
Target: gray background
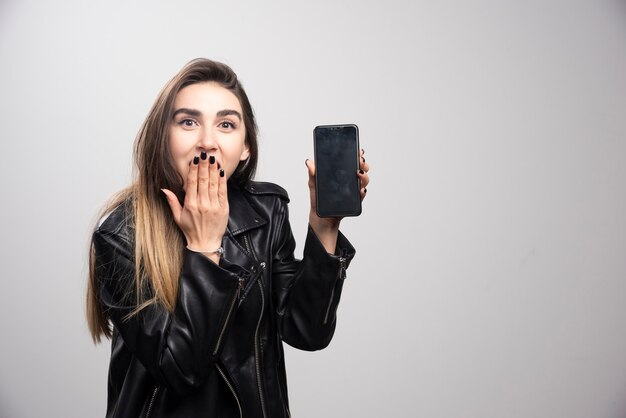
x: 490, y: 275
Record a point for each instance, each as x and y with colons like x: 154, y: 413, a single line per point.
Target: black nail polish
x: 211, y: 160
x: 203, y: 155
x: 365, y: 190
x: 363, y: 159
x: 222, y: 173
x: 361, y: 172
x: 305, y: 162
x: 196, y: 160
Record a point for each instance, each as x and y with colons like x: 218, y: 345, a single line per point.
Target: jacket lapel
x: 242, y: 216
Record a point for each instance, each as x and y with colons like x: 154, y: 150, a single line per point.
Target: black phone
x: 337, y: 186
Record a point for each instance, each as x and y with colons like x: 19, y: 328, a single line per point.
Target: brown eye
x: 187, y: 123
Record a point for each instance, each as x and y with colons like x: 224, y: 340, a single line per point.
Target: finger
x: 222, y: 192
x: 362, y: 173
x: 203, y: 181
x: 213, y: 180
x: 364, y: 178
x: 362, y: 164
x: 175, y: 206
x: 191, y: 185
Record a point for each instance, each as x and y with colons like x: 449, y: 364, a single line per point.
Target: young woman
x: 192, y: 272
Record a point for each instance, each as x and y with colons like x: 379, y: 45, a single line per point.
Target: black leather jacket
x: 219, y: 354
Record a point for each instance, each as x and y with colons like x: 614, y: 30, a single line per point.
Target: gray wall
x: 490, y: 279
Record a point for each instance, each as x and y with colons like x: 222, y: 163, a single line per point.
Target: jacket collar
x: 242, y: 215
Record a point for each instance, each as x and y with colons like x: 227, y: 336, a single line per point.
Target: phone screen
x: 336, y: 164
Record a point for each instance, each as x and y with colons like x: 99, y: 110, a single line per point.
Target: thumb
x: 175, y: 206
x: 311, y: 167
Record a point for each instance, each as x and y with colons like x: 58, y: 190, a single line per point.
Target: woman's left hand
x: 327, y: 229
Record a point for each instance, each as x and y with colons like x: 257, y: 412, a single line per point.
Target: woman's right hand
x: 204, y: 215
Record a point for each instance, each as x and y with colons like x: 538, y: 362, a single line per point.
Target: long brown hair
x: 159, y: 243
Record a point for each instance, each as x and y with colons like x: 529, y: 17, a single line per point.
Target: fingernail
x: 203, y: 155
x: 211, y: 159
x: 196, y: 160
x: 222, y: 173
x: 361, y: 172
x: 364, y: 190
x: 363, y: 159
x: 362, y: 151
x: 305, y: 162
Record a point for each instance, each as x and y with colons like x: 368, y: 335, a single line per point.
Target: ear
x: 245, y: 153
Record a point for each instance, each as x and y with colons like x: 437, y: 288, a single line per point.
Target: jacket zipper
x: 151, y: 403
x: 230, y: 311
x: 232, y: 389
x: 246, y: 240
x: 342, y: 268
x: 257, y: 347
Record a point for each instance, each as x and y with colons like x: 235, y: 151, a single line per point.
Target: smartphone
x: 337, y: 186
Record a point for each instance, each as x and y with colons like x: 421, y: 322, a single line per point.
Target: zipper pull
x: 342, y: 266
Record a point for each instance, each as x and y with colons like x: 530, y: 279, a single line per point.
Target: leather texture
x: 220, y: 353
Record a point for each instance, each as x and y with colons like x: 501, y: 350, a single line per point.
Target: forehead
x: 206, y: 96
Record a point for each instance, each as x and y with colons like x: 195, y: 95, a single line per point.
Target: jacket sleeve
x: 307, y: 291
x: 177, y: 348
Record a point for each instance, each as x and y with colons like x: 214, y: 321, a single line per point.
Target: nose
x: 207, y: 140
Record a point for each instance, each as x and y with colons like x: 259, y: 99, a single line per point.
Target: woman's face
x: 207, y: 117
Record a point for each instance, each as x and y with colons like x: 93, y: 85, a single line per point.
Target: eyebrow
x: 197, y: 113
x: 228, y: 112
x: 190, y: 112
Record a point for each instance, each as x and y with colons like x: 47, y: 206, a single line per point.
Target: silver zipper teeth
x: 256, y: 345
x: 342, y: 264
x: 246, y: 241
x: 248, y: 246
x: 232, y: 389
x: 230, y: 311
x: 151, y: 404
